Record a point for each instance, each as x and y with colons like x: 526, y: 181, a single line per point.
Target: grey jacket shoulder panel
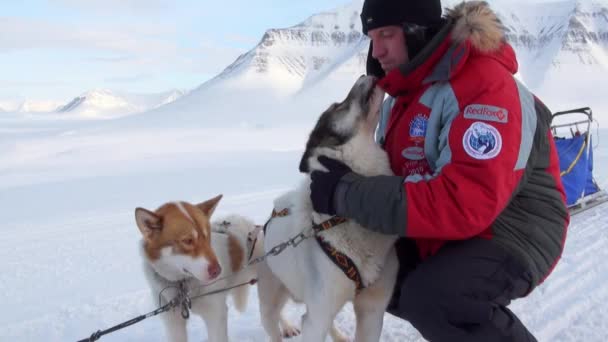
x: 385, y: 115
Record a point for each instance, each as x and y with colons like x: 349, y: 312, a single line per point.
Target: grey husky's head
x: 341, y: 122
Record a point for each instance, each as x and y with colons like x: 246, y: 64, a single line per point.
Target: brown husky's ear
x: 147, y: 222
x: 304, y: 162
x: 208, y: 207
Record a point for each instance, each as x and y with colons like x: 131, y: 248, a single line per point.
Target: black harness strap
x: 341, y: 260
x: 253, y: 242
x: 274, y: 214
x: 327, y: 224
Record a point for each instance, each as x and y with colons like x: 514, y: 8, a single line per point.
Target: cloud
x: 129, y: 79
x: 124, y: 45
x: 134, y: 6
x: 13, y: 83
x: 19, y: 33
x: 117, y: 59
x: 58, y: 56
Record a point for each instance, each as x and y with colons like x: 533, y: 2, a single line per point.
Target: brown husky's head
x: 177, y: 240
x: 355, y: 116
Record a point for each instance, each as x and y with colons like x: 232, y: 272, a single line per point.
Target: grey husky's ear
x: 304, y: 162
x: 147, y: 222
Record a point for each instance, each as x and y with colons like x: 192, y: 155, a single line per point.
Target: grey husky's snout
x: 338, y: 123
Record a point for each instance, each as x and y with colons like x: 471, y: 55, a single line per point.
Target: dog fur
x: 345, y: 132
x: 179, y: 242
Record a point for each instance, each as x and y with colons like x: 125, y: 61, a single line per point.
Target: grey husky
x: 345, y: 131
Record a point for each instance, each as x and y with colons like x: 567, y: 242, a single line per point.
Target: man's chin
x: 388, y: 68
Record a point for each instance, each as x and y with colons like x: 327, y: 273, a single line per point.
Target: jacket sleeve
x: 484, y: 141
x: 377, y: 203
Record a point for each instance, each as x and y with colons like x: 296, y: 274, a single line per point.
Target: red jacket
x: 474, y: 148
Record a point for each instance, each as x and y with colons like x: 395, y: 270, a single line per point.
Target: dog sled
x: 572, y: 131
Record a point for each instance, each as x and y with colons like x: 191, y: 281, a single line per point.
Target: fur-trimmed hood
x: 476, y: 21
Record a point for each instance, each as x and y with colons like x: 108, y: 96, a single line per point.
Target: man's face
x: 389, y: 46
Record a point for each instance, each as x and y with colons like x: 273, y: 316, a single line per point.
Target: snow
x: 69, y: 240
x: 69, y: 187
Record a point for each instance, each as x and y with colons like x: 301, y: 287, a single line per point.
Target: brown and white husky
x: 180, y: 243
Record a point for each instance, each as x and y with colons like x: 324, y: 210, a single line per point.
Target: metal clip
x: 297, y: 239
x: 278, y: 248
x: 184, y: 299
x: 185, y: 310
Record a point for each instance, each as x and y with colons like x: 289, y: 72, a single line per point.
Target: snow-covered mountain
x: 94, y: 104
x: 561, y: 47
x: 103, y: 103
x: 554, y: 36
x: 562, y: 50
x: 263, y: 85
x: 29, y: 106
x: 295, y: 57
x: 297, y: 71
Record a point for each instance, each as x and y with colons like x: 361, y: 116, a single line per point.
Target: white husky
x: 345, y: 132
x: 179, y: 242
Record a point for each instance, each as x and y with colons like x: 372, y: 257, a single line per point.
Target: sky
x: 57, y: 49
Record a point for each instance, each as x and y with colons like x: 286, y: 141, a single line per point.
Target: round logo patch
x: 482, y: 141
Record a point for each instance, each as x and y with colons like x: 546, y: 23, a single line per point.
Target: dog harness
x: 252, y: 237
x: 252, y: 240
x: 340, y: 259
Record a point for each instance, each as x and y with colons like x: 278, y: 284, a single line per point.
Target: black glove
x: 323, y: 185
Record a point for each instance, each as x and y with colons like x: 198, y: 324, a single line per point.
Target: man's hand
x: 323, y: 185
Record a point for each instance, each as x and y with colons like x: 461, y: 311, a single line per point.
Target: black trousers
x: 461, y: 293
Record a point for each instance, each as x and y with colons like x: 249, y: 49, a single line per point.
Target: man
x: 476, y: 197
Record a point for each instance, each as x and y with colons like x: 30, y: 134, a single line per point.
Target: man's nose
x: 378, y: 50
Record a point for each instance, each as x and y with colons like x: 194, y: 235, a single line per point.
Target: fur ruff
x: 475, y: 21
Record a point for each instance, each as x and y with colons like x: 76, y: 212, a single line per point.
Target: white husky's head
x: 345, y: 131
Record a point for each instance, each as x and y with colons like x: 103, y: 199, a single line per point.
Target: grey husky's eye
x: 335, y: 139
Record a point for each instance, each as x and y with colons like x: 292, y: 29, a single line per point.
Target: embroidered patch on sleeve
x: 486, y: 113
x: 418, y: 127
x: 482, y: 141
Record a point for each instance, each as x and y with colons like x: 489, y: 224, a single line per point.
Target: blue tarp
x: 576, y: 167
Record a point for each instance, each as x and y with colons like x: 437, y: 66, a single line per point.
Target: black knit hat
x: 378, y: 13
x: 420, y: 20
